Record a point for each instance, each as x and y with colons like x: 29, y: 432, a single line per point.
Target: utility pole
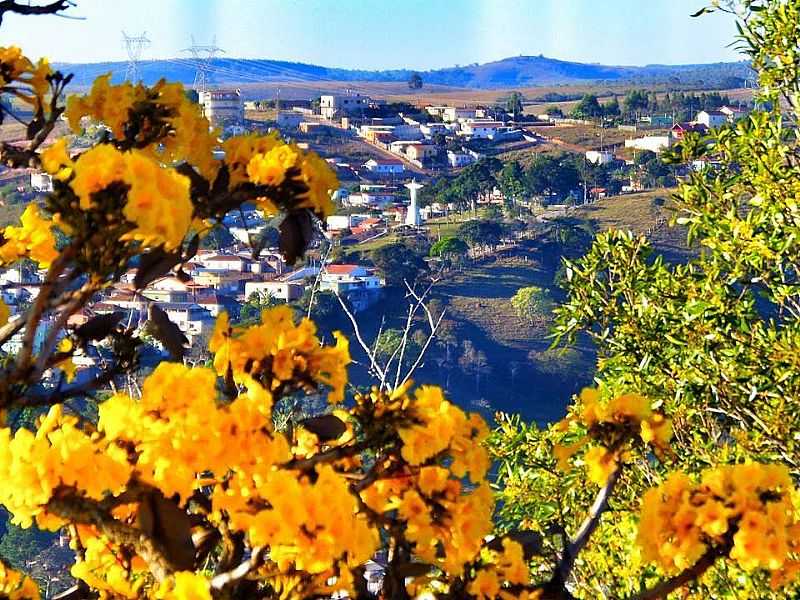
x: 203, y: 55
x: 134, y: 46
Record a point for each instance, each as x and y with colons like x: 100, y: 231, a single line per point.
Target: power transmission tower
x: 134, y: 46
x: 203, y: 55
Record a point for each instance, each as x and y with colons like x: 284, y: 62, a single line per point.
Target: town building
x: 385, y: 166
x: 599, y: 157
x: 287, y: 291
x: 222, y: 107
x: 680, y: 129
x: 451, y: 113
x: 459, y: 159
x: 653, y: 143
x: 288, y: 119
x: 355, y: 283
x: 334, y: 106
x: 41, y: 182
x: 711, y: 118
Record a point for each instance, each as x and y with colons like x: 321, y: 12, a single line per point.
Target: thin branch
x: 373, y: 363
x: 665, y: 588
x: 241, y: 571
x: 586, y: 530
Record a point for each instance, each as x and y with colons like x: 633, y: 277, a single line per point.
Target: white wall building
x: 289, y: 119
x: 222, y: 107
x: 281, y: 290
x: 653, y: 143
x: 359, y: 286
x: 385, y: 166
x: 602, y: 157
x: 334, y: 106
x: 41, y: 182
x: 711, y: 118
x: 452, y: 113
x: 459, y: 159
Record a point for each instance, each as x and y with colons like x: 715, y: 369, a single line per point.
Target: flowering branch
x: 665, y: 588
x: 578, y: 543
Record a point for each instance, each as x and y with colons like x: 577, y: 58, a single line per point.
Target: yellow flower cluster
x: 745, y: 511
x: 178, y: 430
x: 104, y: 567
x: 33, y: 239
x: 446, y: 522
x: 16, y: 586
x: 508, y: 566
x: 612, y: 425
x: 33, y: 466
x: 157, y: 201
x: 278, y: 352
x: 312, y: 522
x: 184, y: 586
x: 267, y: 160
x: 15, y: 67
x: 189, y: 138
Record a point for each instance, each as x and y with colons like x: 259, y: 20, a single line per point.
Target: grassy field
x: 524, y: 376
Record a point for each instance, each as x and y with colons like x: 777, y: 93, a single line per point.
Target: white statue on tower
x: 412, y: 216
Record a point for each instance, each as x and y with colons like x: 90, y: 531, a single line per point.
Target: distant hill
x: 519, y: 71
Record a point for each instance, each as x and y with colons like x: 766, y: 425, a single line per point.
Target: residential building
x: 334, y: 106
x: 41, y: 182
x: 421, y: 152
x: 459, y: 159
x: 600, y: 157
x: 289, y: 119
x: 431, y: 129
x: 222, y: 107
x: 358, y: 285
x: 680, y: 129
x: 734, y: 113
x: 280, y: 290
x: 653, y: 143
x: 385, y: 166
x: 481, y: 129
x: 711, y: 118
x: 450, y: 114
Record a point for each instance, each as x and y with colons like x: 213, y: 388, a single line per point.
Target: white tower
x: 412, y: 216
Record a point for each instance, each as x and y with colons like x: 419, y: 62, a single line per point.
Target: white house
x: 459, y: 159
x: 41, y: 182
x: 431, y: 129
x: 280, y: 290
x: 711, y: 118
x: 653, y: 143
x: 452, y: 113
x: 357, y: 284
x: 222, y: 107
x: 385, y: 166
x: 481, y: 129
x: 734, y: 113
x: 602, y: 157
x: 332, y: 106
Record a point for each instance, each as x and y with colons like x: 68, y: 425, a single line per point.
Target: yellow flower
x: 185, y: 585
x: 34, y: 239
x: 5, y: 313
x: 16, y: 586
x: 270, y: 168
x: 67, y: 365
x: 600, y: 463
x: 56, y: 160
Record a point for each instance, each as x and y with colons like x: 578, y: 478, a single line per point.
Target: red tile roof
x: 341, y: 269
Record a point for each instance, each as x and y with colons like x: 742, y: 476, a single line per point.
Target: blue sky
x: 376, y: 34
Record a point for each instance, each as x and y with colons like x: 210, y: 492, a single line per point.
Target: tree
x: 588, y: 108
x: 398, y: 263
x: 514, y: 104
x: 611, y: 108
x: 257, y: 302
x: 415, y: 81
x: 512, y: 182
x: 474, y: 362
x: 481, y: 233
x: 713, y: 341
x: 449, y: 248
x: 552, y: 175
x: 532, y: 304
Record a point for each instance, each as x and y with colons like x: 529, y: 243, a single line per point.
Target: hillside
x: 519, y: 71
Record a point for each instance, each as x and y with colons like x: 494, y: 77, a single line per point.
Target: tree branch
x: 585, y: 532
x: 663, y: 589
x: 51, y: 8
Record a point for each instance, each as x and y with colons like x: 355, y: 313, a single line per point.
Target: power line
x: 203, y: 55
x: 134, y: 46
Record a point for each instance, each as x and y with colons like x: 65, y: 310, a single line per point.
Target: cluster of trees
x: 639, y: 102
